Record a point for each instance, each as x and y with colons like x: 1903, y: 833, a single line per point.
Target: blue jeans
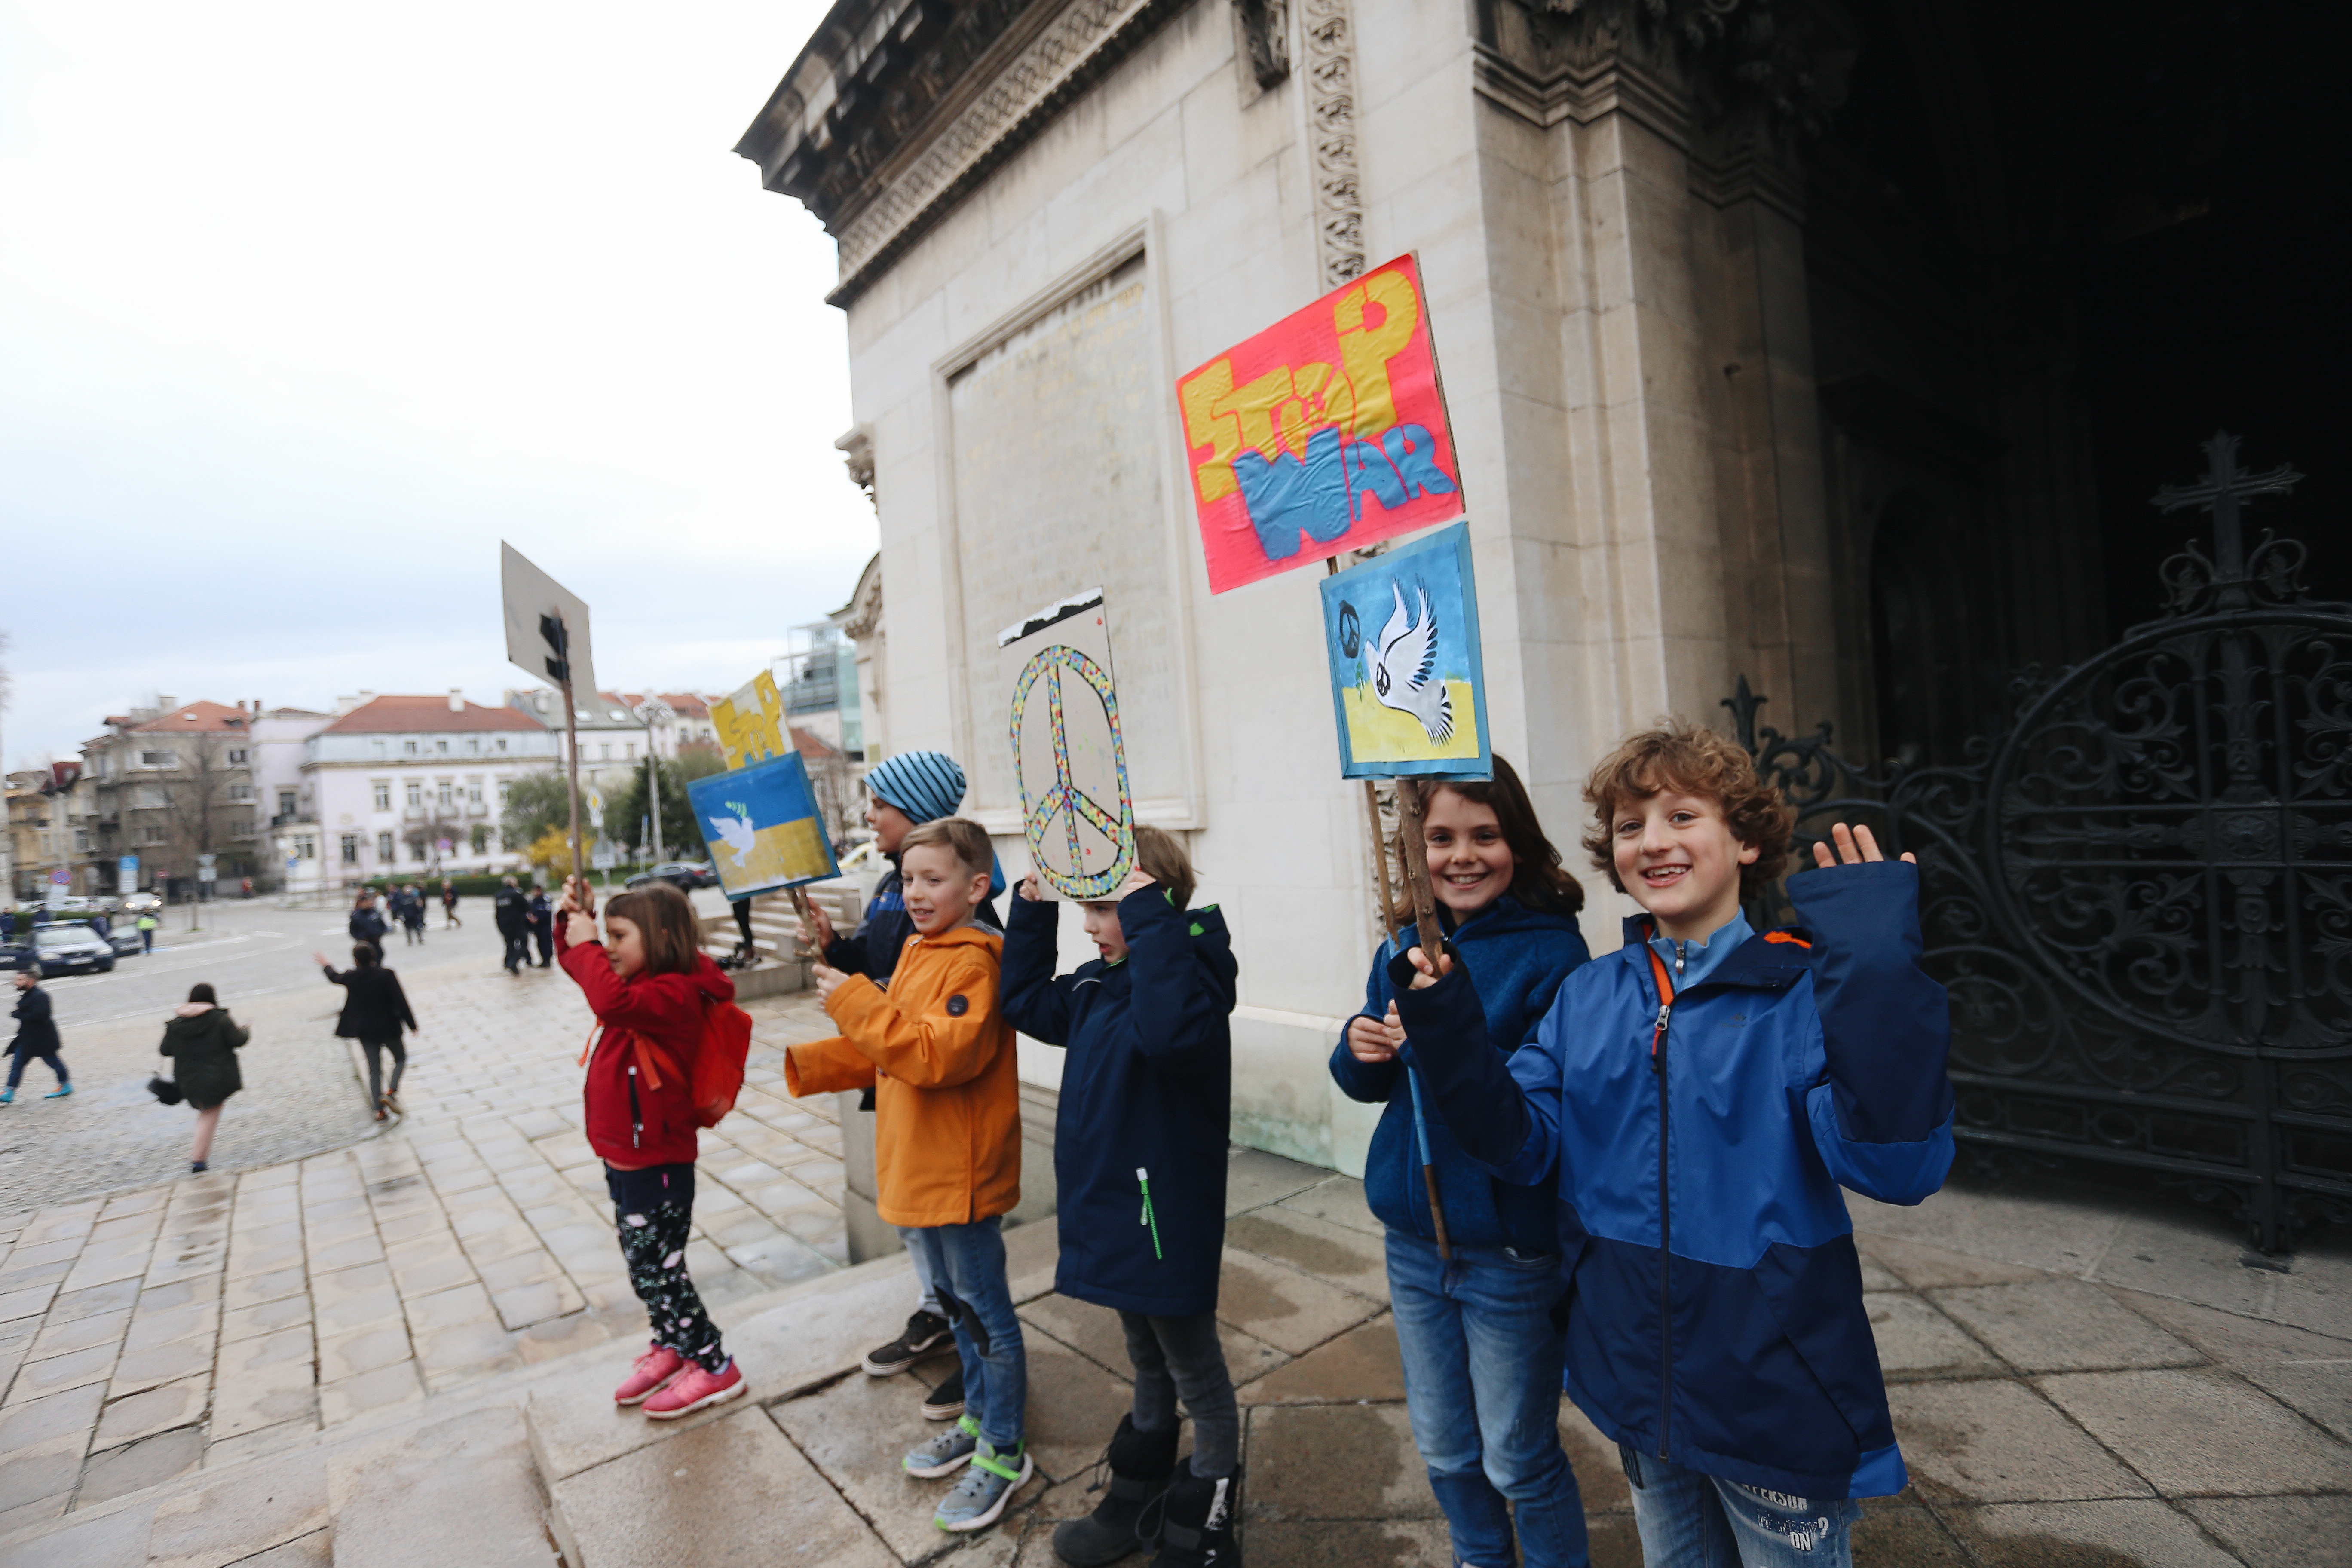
x: 1482, y: 1381
x: 17, y: 1060
x: 967, y: 1271
x: 1693, y: 1520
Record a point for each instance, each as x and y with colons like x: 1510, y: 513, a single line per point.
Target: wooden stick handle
x: 1412, y: 850
x: 1436, y: 1211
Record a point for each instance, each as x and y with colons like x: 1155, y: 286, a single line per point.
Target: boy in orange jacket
x: 937, y: 1051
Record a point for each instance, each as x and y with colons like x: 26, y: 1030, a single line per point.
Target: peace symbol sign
x: 1065, y: 801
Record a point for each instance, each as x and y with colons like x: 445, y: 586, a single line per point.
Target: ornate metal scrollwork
x: 2140, y: 894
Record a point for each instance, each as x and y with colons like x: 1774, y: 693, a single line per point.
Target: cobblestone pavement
x: 147, y: 1332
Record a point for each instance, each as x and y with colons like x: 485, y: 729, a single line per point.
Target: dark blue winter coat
x: 1519, y: 956
x: 1146, y: 1084
x: 1705, y: 1177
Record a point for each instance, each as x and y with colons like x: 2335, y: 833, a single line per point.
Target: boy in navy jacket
x: 1703, y: 1093
x: 1139, y: 1160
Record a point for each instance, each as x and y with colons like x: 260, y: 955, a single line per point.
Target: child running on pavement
x: 1701, y: 1096
x: 902, y: 793
x: 937, y: 1051
x: 647, y: 985
x: 1140, y: 1159
x: 1481, y: 1354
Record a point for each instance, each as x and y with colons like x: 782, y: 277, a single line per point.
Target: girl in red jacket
x: 646, y: 983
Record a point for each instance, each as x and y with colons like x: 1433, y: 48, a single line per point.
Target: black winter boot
x: 1141, y: 1465
x: 1197, y: 1520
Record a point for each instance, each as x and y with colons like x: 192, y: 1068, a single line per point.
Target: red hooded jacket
x: 632, y: 1123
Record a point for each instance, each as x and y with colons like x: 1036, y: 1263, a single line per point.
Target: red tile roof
x: 194, y: 718
x: 812, y: 746
x: 385, y: 715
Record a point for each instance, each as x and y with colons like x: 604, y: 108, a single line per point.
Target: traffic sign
x: 605, y: 855
x: 126, y: 874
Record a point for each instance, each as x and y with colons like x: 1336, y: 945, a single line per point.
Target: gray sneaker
x: 987, y: 1485
x: 945, y: 1454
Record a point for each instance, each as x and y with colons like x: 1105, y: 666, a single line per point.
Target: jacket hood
x: 712, y: 980
x: 1212, y: 944
x: 1505, y: 917
x: 966, y: 935
x: 192, y: 1009
x: 1770, y: 959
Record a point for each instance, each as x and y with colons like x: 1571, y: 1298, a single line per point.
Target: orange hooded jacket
x: 940, y: 1056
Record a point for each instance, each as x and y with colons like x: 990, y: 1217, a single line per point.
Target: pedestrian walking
x: 202, y: 1041
x: 146, y: 934
x: 7, y: 924
x: 411, y: 915
x: 450, y: 921
x: 367, y: 924
x: 512, y: 913
x: 542, y: 926
x: 374, y: 1011
x: 37, y: 1035
x: 100, y: 927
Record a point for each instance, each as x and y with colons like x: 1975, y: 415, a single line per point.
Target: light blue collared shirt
x: 1700, y: 959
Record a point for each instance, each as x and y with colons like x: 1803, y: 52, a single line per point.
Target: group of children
x: 1619, y: 1178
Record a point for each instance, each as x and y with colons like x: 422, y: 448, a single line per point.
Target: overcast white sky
x: 303, y: 307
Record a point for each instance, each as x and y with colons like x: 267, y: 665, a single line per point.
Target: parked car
x: 141, y: 904
x: 125, y: 942
x: 683, y: 875
x: 62, y: 949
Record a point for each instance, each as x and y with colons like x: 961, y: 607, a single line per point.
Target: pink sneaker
x: 694, y: 1390
x: 654, y: 1368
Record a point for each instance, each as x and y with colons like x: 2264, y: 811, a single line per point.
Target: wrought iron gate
x: 2140, y: 894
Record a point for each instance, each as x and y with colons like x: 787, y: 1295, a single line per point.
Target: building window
x: 383, y: 847
x: 504, y: 785
x: 147, y: 798
x: 236, y: 757
x: 479, y: 837
x: 152, y: 834
x: 240, y: 829
x: 351, y: 848
x: 604, y: 751
x: 442, y: 747
x: 286, y: 803
x: 382, y: 788
x: 378, y: 747
x: 473, y: 791
x: 408, y: 748
x: 630, y: 750
x: 474, y: 745
x: 240, y: 792
x: 82, y: 840
x: 415, y: 793
x: 447, y: 794
x: 157, y: 760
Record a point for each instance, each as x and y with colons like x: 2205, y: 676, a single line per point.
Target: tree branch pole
x: 571, y: 763
x: 1412, y: 863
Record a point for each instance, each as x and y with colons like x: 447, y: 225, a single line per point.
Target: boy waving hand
x: 1699, y: 1097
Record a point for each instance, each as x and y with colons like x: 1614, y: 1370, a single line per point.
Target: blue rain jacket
x: 1146, y: 1084
x: 1520, y: 956
x: 1714, y: 1314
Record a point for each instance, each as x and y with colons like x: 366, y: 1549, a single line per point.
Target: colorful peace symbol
x: 1065, y: 800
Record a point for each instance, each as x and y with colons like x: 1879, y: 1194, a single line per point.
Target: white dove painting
x: 1410, y: 698
x: 762, y: 826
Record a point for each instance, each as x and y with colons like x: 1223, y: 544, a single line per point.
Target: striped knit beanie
x: 923, y: 784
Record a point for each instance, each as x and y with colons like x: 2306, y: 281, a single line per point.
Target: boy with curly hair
x: 1702, y: 1095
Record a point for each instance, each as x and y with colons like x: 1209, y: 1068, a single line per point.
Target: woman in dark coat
x: 374, y: 1009
x: 201, y: 1040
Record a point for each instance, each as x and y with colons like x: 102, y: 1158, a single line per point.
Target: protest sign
x: 1077, y: 807
x: 547, y: 634
x: 750, y: 722
x: 762, y: 826
x: 1407, y: 685
x: 1323, y: 433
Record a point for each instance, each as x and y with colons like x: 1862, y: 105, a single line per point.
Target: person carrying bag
x: 375, y: 1010
x: 202, y: 1041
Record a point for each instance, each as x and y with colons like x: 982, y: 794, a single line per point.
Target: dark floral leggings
x: 653, y: 1244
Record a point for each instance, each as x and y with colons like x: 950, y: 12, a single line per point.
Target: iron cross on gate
x: 2223, y: 488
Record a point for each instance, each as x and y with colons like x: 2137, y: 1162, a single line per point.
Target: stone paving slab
x: 229, y: 1315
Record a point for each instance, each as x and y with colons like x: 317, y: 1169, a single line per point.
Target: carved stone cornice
x: 898, y: 108
x: 1737, y: 84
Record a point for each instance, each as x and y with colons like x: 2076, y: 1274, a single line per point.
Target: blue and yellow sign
x: 762, y: 826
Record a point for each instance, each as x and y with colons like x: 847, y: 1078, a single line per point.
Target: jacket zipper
x: 1665, y: 1209
x: 636, y: 1113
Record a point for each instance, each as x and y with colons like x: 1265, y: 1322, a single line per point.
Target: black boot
x: 1141, y: 1465
x: 1197, y: 1518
